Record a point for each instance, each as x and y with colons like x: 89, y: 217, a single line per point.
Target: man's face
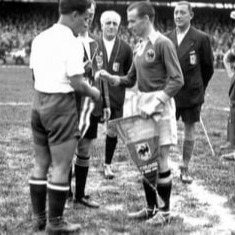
x: 91, y: 14
x: 110, y: 29
x: 182, y: 16
x: 81, y: 22
x: 136, y: 24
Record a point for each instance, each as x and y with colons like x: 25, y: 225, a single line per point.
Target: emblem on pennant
x: 143, y: 151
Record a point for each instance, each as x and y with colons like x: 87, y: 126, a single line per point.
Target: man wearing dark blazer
x: 196, y: 59
x: 117, y: 60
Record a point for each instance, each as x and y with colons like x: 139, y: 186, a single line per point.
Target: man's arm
x: 175, y: 76
x: 81, y: 86
x: 206, y: 60
x: 126, y: 81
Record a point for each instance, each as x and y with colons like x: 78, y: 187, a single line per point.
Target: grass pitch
x: 125, y: 192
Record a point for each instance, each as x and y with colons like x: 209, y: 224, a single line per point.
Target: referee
x: 57, y: 64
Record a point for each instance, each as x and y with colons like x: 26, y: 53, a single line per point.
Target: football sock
x: 110, y: 146
x: 188, y: 147
x: 150, y: 194
x: 164, y: 186
x: 57, y: 195
x: 38, y: 192
x: 81, y: 172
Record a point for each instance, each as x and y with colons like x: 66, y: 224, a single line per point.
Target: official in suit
x: 117, y: 59
x: 195, y: 55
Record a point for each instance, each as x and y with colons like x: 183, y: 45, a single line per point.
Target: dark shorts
x: 54, y: 118
x: 231, y: 125
x: 116, y: 113
x: 93, y: 128
x: 189, y: 115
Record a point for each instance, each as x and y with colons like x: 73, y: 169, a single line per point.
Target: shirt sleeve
x: 129, y: 80
x: 75, y: 65
x: 173, y: 69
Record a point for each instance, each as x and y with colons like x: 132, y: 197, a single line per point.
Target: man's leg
x: 188, y: 147
x: 81, y: 172
x: 110, y: 146
x: 38, y: 185
x: 164, y: 185
x: 152, y: 204
x: 58, y: 186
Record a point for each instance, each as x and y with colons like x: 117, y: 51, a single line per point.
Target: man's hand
x: 106, y: 114
x: 113, y: 80
x: 87, y: 65
x: 148, y: 110
x: 98, y: 74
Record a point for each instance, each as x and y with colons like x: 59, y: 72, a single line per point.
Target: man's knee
x: 83, y: 147
x: 62, y: 155
x: 189, y: 131
x: 111, y: 132
x: 42, y: 161
x: 163, y: 155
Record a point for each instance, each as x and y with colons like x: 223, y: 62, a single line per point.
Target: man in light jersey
x: 57, y: 64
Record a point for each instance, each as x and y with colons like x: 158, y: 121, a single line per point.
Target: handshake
x: 113, y: 80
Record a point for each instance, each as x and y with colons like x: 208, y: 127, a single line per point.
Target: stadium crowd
x: 21, y: 22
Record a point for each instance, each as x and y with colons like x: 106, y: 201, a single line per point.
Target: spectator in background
x: 196, y: 59
x: 229, y: 64
x: 57, y: 64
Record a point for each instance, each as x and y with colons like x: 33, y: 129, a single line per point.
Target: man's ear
x: 146, y: 17
x: 191, y: 15
x: 74, y: 15
x: 102, y: 26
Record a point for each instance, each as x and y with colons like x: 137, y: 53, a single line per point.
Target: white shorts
x: 168, y: 125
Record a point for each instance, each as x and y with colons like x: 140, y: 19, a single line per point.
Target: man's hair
x: 187, y: 4
x: 68, y: 6
x: 143, y: 8
x: 107, y: 15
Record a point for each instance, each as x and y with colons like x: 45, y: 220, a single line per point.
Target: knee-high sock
x: 57, y: 195
x: 38, y: 192
x: 164, y: 185
x: 81, y: 172
x: 150, y: 194
x: 110, y: 146
x: 188, y: 147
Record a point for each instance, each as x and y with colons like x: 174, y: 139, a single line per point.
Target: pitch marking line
x: 15, y: 104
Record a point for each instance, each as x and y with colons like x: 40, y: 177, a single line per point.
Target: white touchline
x: 15, y: 104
